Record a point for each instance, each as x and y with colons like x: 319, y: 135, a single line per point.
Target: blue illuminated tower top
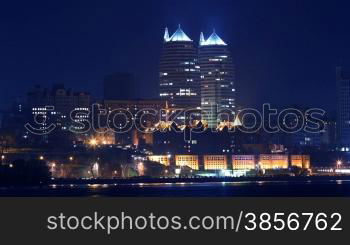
x: 178, y: 36
x: 214, y: 39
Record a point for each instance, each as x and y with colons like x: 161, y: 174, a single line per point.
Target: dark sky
x: 285, y: 52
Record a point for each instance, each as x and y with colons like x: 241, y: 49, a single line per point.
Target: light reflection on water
x: 259, y: 187
x: 222, y: 184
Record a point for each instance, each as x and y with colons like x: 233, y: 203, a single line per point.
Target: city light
x: 93, y: 142
x: 197, y: 94
x: 178, y: 171
x: 95, y: 167
x: 141, y: 168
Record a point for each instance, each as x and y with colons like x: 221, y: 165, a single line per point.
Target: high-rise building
x: 179, y: 71
x: 217, y: 79
x: 343, y: 108
x: 56, y: 105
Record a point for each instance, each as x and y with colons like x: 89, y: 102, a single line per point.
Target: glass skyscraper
x: 217, y: 80
x: 179, y: 71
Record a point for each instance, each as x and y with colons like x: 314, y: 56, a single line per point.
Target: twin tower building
x: 197, y: 76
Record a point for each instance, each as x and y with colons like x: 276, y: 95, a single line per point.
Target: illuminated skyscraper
x: 343, y: 109
x: 217, y: 79
x: 179, y: 71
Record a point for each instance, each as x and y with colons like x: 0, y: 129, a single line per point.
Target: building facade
x: 187, y: 160
x: 179, y: 71
x: 215, y: 162
x: 301, y: 161
x: 162, y: 159
x: 56, y: 105
x: 343, y: 108
x: 217, y: 79
x: 273, y: 161
x: 243, y: 162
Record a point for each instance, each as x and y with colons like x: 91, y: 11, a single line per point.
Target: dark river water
x: 314, y: 188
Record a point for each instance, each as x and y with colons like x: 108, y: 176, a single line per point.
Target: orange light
x: 93, y: 142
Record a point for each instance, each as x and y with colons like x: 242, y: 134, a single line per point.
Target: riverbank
x: 316, y: 186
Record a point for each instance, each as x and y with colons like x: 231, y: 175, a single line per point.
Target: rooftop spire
x: 179, y: 35
x: 166, y: 34
x: 214, y: 39
x: 201, y: 39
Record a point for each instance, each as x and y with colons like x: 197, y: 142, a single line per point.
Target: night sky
x: 285, y: 52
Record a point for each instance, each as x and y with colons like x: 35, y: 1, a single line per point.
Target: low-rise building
x: 215, y: 162
x: 273, y: 161
x: 162, y: 159
x: 301, y: 161
x: 187, y: 160
x: 243, y: 162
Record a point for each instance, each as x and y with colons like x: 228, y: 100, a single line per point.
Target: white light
x: 95, y: 166
x: 179, y: 35
x: 214, y: 39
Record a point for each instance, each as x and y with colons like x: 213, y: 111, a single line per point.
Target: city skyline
x: 197, y: 94
x: 270, y: 55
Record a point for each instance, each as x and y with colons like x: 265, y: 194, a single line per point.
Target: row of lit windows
x: 217, y: 162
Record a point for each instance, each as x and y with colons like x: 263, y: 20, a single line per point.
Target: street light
x: 41, y: 158
x: 71, y: 158
x: 339, y: 163
x: 53, y: 166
